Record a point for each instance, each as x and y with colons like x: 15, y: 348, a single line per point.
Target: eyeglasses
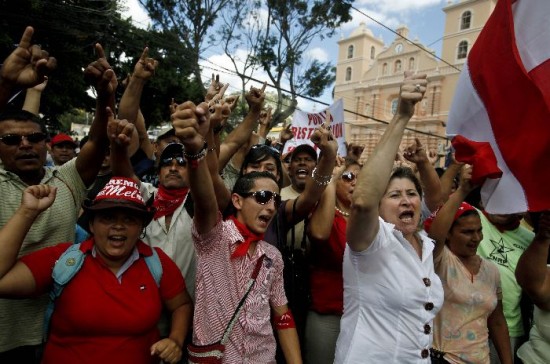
x: 16, y: 139
x: 349, y: 176
x: 168, y: 161
x: 263, y: 197
x: 266, y: 148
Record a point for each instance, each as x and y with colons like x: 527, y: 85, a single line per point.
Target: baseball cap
x: 62, y: 138
x: 304, y: 148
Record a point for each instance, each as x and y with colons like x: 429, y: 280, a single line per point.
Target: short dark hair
x: 261, y: 152
x: 23, y: 115
x: 407, y: 173
x: 246, y: 182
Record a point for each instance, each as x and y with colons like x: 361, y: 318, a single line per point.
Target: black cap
x: 304, y: 148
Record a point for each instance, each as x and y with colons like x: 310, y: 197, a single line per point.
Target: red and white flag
x: 502, y: 104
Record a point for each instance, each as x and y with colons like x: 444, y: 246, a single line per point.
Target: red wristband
x: 285, y: 321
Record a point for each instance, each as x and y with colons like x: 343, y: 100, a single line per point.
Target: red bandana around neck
x: 167, y: 201
x: 249, y: 238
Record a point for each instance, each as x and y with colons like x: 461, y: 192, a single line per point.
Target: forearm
x: 498, y: 332
x: 313, y: 189
x: 223, y: 196
x: 32, y: 101
x: 432, y: 185
x: 144, y: 142
x: 320, y: 223
x: 129, y: 103
x: 12, y: 235
x: 120, y: 162
x: 446, y: 180
x: 204, y: 196
x: 290, y: 345
x: 532, y: 272
x: 181, y: 321
x: 375, y: 174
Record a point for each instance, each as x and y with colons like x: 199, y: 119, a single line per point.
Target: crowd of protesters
x: 194, y: 249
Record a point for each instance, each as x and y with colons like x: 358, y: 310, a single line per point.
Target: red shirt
x: 326, y: 280
x: 96, y: 318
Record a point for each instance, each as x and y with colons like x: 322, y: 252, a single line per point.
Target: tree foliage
x: 69, y: 29
x: 277, y: 34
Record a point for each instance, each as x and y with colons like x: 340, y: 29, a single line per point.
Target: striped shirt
x: 220, y: 285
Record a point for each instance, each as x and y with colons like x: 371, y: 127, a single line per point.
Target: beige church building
x: 369, y: 72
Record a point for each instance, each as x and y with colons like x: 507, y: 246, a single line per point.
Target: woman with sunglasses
x: 327, y: 234
x: 391, y: 291
x: 229, y: 253
x: 472, y: 311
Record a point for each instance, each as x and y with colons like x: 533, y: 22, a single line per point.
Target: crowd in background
x: 191, y: 248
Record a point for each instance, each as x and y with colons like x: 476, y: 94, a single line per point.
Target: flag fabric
x: 304, y: 124
x: 502, y: 101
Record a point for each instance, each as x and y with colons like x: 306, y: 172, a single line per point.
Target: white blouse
x: 391, y: 297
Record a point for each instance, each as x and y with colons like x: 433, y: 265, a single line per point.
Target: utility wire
x: 405, y: 38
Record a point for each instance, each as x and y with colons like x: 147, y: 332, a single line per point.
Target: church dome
x: 361, y: 29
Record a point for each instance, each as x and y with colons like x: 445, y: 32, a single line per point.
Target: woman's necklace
x: 346, y: 214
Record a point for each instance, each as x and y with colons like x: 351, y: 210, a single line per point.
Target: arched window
x: 348, y: 74
x: 385, y: 69
x: 394, y: 104
x: 462, y: 50
x: 367, y: 109
x: 397, y: 66
x: 411, y: 63
x: 372, y: 52
x: 350, y: 51
x: 466, y: 20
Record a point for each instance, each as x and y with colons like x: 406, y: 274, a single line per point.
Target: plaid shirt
x: 220, y: 285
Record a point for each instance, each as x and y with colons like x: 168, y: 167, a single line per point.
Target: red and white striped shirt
x: 220, y: 285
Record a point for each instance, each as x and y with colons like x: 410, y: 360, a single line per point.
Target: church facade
x: 368, y: 75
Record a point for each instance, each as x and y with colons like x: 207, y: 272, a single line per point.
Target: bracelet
x: 194, y: 159
x: 320, y: 180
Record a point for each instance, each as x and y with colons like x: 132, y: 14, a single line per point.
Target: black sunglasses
x: 349, y: 176
x: 16, y: 139
x: 263, y: 197
x: 168, y: 161
x: 267, y: 148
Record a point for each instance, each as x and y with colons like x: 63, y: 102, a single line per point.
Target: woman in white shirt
x: 391, y: 292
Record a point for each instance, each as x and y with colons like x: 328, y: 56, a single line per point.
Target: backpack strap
x: 65, y: 268
x: 154, y: 265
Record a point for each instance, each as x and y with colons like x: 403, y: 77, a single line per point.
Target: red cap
x: 62, y: 138
x: 464, y: 207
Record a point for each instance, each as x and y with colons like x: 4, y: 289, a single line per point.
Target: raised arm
x: 99, y: 74
x: 34, y: 96
x: 120, y: 133
x: 320, y: 222
x: 447, y: 179
x: 239, y: 136
x: 444, y: 219
x: 374, y: 176
x: 24, y: 68
x: 320, y: 178
x: 16, y: 280
x: 532, y: 272
x: 416, y: 153
x: 191, y: 124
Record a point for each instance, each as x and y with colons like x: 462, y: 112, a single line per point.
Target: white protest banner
x: 304, y: 124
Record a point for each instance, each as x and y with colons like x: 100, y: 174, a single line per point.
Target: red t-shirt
x: 326, y: 280
x: 98, y: 319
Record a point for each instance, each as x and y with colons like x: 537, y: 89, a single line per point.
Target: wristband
x: 194, y: 159
x: 285, y: 321
x: 320, y: 180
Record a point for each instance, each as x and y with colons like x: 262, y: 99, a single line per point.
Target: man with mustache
x: 23, y: 153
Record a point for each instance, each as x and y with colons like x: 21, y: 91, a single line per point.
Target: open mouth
x: 264, y: 219
x: 117, y: 240
x: 302, y: 173
x: 406, y: 216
